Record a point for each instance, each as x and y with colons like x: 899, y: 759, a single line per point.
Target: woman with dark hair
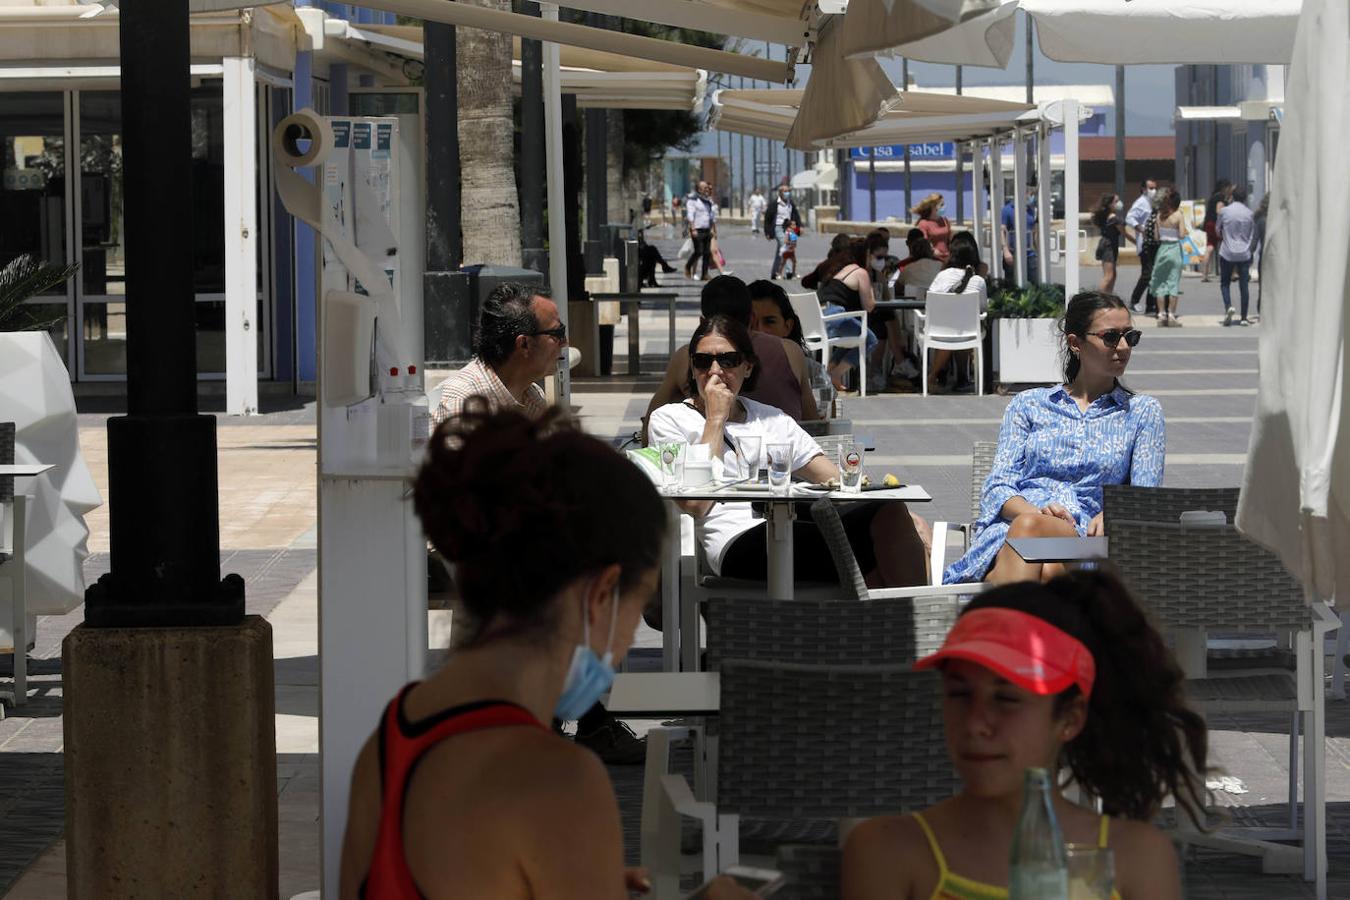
x: 773, y: 312
x: 811, y: 281
x: 886, y: 540
x: 1059, y: 445
x: 1065, y: 675
x: 466, y: 753
x: 847, y: 287
x: 1168, y: 228
x: 1223, y: 192
x: 1108, y: 221
x: 960, y: 275
x: 934, y: 225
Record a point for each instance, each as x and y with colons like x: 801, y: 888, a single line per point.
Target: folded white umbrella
x: 1112, y: 32
x: 1296, y: 490
x: 842, y: 95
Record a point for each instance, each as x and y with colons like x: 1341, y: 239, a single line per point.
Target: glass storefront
x: 61, y: 200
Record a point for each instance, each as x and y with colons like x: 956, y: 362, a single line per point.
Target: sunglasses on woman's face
x: 729, y: 360
x: 1112, y: 336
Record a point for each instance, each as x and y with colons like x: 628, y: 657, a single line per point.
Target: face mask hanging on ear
x: 589, y: 676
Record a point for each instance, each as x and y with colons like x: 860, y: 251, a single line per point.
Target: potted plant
x: 1026, y: 333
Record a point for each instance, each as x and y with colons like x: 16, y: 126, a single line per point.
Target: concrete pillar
x: 170, y: 754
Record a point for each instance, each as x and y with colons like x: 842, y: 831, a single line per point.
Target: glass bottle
x: 1039, y: 870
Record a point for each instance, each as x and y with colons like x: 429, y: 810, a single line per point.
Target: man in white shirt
x: 701, y: 215
x: 1135, y: 219
x: 756, y: 205
x: 783, y: 208
x: 1237, y: 230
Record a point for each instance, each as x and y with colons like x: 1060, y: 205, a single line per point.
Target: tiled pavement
x: 1205, y: 377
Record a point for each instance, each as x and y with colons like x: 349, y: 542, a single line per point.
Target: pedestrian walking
x: 1008, y: 229
x: 780, y: 210
x: 934, y: 225
x: 1223, y: 189
x: 1107, y: 219
x: 756, y: 205
x: 701, y: 215
x: 1236, y: 227
x: 1135, y: 220
x: 1169, y: 227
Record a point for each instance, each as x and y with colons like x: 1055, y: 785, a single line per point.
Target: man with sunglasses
x: 519, y: 338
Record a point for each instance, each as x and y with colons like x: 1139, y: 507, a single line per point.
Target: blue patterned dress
x: 1050, y: 451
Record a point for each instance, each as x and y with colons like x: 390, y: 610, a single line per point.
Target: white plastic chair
x: 13, y: 519
x: 806, y: 307
x: 952, y: 322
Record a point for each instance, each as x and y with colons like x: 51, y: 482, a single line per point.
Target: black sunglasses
x: 558, y: 334
x: 1112, y: 336
x: 729, y: 360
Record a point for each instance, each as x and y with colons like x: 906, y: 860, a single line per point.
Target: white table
x: 24, y: 470
x: 650, y: 695
x: 781, y: 513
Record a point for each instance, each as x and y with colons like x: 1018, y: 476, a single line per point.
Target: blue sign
x: 931, y: 150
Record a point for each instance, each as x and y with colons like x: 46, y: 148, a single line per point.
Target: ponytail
x: 965, y: 280
x: 1140, y: 741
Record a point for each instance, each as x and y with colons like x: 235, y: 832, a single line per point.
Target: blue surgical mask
x: 589, y: 675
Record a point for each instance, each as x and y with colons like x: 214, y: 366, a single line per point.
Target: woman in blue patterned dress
x: 1059, y: 445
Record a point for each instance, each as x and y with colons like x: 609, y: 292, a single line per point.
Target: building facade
x: 1227, y: 126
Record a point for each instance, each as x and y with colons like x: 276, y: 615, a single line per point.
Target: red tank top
x: 402, y: 745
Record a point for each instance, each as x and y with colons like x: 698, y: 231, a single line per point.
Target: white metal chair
x: 952, y: 322
x: 12, y: 522
x: 815, y: 333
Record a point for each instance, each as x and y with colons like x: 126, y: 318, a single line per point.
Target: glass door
x: 34, y: 209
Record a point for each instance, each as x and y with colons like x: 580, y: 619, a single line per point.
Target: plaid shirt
x: 477, y: 379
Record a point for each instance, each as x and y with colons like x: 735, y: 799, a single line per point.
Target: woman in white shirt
x: 960, y: 276
x: 886, y: 540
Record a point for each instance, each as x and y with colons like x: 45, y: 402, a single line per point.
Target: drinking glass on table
x: 748, y: 450
x: 1092, y: 871
x: 850, y: 467
x: 672, y: 464
x: 780, y: 467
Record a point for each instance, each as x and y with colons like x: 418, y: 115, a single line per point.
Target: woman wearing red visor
x: 1067, y: 675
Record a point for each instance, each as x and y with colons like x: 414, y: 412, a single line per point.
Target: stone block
x: 170, y: 753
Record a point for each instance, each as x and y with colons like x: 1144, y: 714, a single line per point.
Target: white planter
x: 1026, y: 351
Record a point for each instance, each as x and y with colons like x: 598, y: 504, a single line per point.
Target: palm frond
x: 24, y: 278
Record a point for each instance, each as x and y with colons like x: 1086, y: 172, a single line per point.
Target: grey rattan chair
x: 812, y: 872
x: 830, y: 444
x: 1214, y: 578
x: 810, y: 742
x: 982, y: 455
x: 1128, y: 502
x: 893, y: 631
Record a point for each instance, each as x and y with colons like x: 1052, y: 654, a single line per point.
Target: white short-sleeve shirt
x: 948, y: 280
x: 682, y: 423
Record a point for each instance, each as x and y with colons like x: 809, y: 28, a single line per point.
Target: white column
x: 553, y: 173
x: 1019, y: 235
x: 977, y: 198
x: 996, y: 205
x: 240, y: 114
x: 1044, y: 178
x: 1070, y: 198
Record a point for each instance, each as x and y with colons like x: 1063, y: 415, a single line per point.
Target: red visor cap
x: 1026, y: 650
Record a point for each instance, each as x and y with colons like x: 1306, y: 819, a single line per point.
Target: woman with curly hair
x: 1067, y: 675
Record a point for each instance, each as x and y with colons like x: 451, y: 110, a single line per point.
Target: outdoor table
x: 24, y: 470
x: 631, y: 305
x: 653, y: 695
x: 1059, y: 549
x: 780, y: 515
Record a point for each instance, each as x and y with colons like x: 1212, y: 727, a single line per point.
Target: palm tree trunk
x: 489, y: 207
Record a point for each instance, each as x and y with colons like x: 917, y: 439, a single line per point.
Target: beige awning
x: 842, y: 95
x: 907, y: 117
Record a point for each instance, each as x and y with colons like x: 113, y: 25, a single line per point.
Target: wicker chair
x: 982, y: 455
x: 1128, y: 502
x: 807, y: 742
x: 812, y: 872
x: 1213, y: 578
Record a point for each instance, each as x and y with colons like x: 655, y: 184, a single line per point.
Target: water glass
x: 672, y: 464
x: 780, y: 468
x: 748, y: 456
x: 1092, y: 871
x: 850, y: 467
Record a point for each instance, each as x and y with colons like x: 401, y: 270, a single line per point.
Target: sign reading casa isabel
x: 931, y: 150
